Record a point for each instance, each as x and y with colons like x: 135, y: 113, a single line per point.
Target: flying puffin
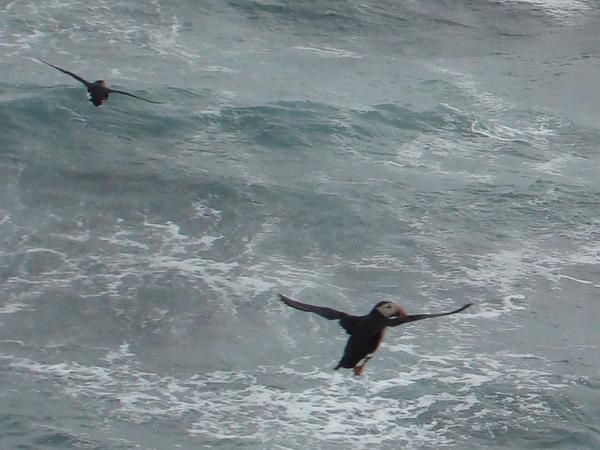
x: 97, y: 90
x: 366, y: 332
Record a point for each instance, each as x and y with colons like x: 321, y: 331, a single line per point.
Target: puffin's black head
x: 388, y: 309
x: 100, y: 82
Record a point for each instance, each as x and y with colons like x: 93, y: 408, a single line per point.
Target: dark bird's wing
x: 411, y: 318
x: 77, y: 77
x: 347, y: 321
x: 323, y: 311
x: 114, y: 91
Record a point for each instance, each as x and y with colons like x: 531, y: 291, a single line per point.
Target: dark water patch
x: 13, y: 425
x: 307, y: 125
x: 279, y: 125
x: 556, y: 437
x: 62, y: 440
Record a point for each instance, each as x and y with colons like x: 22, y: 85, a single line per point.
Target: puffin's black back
x: 364, y: 339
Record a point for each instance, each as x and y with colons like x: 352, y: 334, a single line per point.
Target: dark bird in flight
x: 97, y: 90
x: 366, y: 332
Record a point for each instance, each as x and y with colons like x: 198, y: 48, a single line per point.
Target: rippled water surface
x: 432, y: 153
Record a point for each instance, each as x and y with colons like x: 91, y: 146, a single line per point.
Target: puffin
x: 366, y: 332
x: 97, y: 90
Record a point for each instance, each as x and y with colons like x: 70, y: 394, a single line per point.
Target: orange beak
x: 400, y: 312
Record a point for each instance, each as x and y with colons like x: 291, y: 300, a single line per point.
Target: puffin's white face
x: 390, y: 309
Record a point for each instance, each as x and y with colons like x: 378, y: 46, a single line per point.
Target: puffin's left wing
x: 411, y: 318
x: 115, y: 91
x: 323, y: 311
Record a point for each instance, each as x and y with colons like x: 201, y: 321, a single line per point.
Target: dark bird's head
x: 100, y: 82
x: 389, y: 310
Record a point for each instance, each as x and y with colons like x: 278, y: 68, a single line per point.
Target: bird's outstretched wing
x: 347, y: 321
x: 413, y: 317
x: 77, y: 77
x: 323, y: 311
x: 114, y: 91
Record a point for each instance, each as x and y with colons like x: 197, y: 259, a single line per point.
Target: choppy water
x: 341, y: 152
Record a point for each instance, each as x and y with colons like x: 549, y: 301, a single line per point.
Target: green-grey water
x: 341, y: 152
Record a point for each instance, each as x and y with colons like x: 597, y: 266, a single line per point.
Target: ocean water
x: 341, y: 152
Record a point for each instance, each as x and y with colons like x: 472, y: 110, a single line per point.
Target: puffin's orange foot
x: 358, y: 370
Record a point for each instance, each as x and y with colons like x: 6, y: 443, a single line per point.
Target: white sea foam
x: 328, y: 51
x: 220, y: 69
x: 380, y: 261
x: 491, y: 103
x: 505, y: 268
x: 5, y: 217
x: 322, y: 408
x: 14, y: 307
x: 500, y: 132
x: 563, y: 10
x: 434, y: 152
x: 167, y: 40
x: 491, y: 120
x: 205, y: 211
x: 554, y: 166
x: 592, y: 283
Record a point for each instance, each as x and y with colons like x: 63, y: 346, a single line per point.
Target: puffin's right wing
x: 414, y: 317
x: 77, y: 77
x: 347, y: 321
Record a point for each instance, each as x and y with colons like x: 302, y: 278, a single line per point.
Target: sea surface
x: 431, y: 152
